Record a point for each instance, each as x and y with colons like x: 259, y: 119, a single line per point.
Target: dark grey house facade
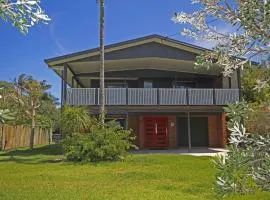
x: 153, y: 88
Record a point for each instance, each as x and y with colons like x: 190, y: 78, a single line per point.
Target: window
x: 148, y: 84
x: 183, y: 84
x: 110, y: 84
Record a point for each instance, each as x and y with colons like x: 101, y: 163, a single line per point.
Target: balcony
x: 153, y: 96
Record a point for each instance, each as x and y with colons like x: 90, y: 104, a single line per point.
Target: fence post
x: 3, y: 139
x: 50, y: 136
x: 1, y: 136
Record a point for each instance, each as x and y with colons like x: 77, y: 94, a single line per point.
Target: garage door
x: 198, y: 129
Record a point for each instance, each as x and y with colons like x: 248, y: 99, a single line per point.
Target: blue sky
x: 75, y: 27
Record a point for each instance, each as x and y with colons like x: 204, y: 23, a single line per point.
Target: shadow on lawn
x: 37, y: 155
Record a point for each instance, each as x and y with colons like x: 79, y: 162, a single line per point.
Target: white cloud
x: 60, y: 49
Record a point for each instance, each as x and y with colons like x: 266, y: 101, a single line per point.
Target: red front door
x: 155, y: 132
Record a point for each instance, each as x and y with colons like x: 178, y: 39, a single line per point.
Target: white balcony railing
x: 81, y: 96
x: 171, y: 96
x: 200, y: 96
x: 148, y: 96
x: 114, y: 96
x: 142, y: 96
x: 226, y: 96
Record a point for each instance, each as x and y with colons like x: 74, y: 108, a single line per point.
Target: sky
x: 75, y: 27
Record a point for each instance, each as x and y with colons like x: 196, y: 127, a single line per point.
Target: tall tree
x: 102, y: 63
x: 29, y: 94
x: 248, y: 37
x: 22, y: 13
x: 47, y: 114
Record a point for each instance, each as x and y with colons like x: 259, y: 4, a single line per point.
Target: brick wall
x: 224, y: 130
x: 141, y: 132
x: 133, y: 123
x: 217, y: 130
x: 172, y: 132
x: 213, y: 131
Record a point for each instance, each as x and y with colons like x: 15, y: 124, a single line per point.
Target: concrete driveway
x: 200, y: 151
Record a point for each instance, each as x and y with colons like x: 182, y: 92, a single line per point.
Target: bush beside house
x: 87, y: 140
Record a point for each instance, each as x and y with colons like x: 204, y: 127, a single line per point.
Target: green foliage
x: 20, y: 96
x: 6, y: 115
x: 238, y: 30
x: 233, y: 173
x: 108, y: 142
x: 246, y: 167
x: 236, y: 112
x: 23, y: 14
x: 254, y: 116
x: 250, y: 78
x: 48, y: 115
x: 76, y: 119
x: 46, y: 121
x: 258, y: 118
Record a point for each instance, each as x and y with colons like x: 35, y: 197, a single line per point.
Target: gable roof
x: 126, y: 44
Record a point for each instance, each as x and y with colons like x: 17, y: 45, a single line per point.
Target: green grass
x: 41, y: 174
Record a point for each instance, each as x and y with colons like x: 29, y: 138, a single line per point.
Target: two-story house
x: 153, y: 88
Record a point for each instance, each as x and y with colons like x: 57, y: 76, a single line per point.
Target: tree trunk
x: 102, y: 93
x: 33, y: 125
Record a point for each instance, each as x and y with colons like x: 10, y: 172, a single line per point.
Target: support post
x: 189, y: 132
x: 97, y: 97
x: 158, y: 97
x: 62, y: 97
x: 64, y: 83
x: 126, y: 121
x: 72, y: 84
x: 127, y: 96
x: 230, y: 82
x: 62, y: 90
x: 214, y: 96
x: 187, y: 96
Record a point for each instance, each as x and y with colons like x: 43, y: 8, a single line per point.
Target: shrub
x: 75, y: 119
x: 249, y: 79
x: 246, y: 167
x: 258, y: 118
x: 255, y: 116
x: 109, y: 142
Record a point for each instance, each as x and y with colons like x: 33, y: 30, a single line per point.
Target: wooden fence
x: 12, y: 137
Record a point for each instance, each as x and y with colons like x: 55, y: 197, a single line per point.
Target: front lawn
x: 42, y: 174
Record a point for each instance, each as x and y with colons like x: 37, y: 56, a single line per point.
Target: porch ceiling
x: 90, y: 67
x: 131, y: 64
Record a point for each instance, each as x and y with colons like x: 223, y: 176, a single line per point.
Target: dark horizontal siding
x: 152, y: 49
